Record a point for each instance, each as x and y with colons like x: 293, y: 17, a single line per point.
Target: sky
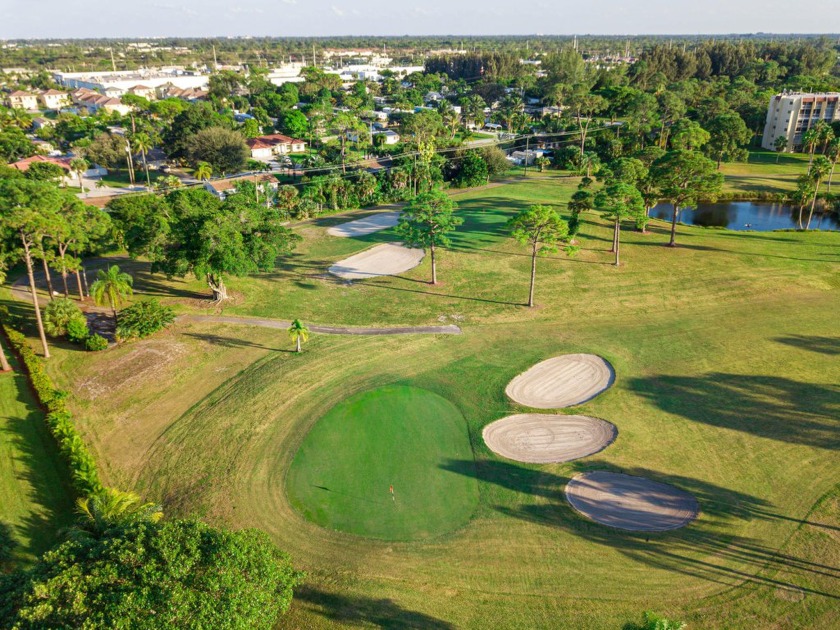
x: 289, y: 18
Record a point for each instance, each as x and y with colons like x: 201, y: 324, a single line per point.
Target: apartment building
x: 792, y: 114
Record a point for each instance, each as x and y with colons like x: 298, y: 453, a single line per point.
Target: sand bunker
x: 368, y: 225
x: 632, y: 503
x: 562, y: 381
x: 383, y: 260
x: 543, y: 439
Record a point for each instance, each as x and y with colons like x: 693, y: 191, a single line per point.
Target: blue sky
x: 194, y: 18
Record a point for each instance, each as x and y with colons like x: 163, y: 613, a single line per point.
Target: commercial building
x: 116, y: 84
x: 791, y: 114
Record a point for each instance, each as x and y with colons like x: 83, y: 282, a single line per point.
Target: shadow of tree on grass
x: 702, y: 549
x: 364, y: 611
x: 768, y: 406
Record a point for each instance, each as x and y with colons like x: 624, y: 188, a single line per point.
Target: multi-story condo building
x: 792, y: 114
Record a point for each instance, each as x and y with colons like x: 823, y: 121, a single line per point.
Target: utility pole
x: 113, y: 63
x: 215, y: 61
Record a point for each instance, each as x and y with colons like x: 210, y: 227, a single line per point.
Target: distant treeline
x: 95, y: 54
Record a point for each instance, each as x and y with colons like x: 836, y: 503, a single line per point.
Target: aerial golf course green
x: 400, y: 437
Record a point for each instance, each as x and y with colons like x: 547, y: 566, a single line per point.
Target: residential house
x: 225, y: 187
x: 270, y: 146
x: 391, y: 137
x: 40, y: 122
x: 71, y: 178
x: 94, y: 101
x: 53, y: 99
x: 144, y: 91
x: 22, y: 100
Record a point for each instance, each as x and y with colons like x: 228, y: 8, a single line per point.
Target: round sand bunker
x: 631, y: 503
x: 562, y: 381
x: 388, y: 259
x: 544, y: 439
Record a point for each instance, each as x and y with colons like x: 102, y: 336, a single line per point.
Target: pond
x: 760, y: 216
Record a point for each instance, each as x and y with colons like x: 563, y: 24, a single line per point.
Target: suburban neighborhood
x: 309, y: 329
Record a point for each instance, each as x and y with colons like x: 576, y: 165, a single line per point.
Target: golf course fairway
x: 394, y: 436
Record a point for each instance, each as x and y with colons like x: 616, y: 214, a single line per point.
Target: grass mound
x: 396, y: 436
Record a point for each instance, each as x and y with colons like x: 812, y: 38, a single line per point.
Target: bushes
x: 60, y: 314
x: 77, y: 331
x: 96, y: 343
x: 84, y: 474
x: 143, y: 319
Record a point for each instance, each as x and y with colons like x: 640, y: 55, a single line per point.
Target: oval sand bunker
x: 563, y: 381
x: 388, y: 259
x: 543, y: 439
x: 368, y: 225
x: 631, y: 503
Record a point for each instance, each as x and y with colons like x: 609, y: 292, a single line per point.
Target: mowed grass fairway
x: 727, y: 359
x: 396, y: 435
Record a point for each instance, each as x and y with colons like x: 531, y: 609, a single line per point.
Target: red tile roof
x: 23, y: 165
x: 272, y: 140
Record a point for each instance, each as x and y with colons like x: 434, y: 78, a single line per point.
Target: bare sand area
x: 368, y: 225
x: 543, y: 439
x: 563, y: 381
x: 631, y: 503
x: 387, y: 259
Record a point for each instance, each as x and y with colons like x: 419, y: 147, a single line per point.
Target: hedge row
x: 85, y: 476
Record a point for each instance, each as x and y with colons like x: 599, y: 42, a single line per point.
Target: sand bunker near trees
x: 563, y: 381
x: 388, y: 259
x: 631, y: 503
x: 368, y: 225
x: 543, y: 439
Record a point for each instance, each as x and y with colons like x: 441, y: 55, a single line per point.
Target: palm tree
x: 112, y: 508
x: 810, y: 139
x: 203, y: 171
x: 143, y: 143
x: 299, y: 333
x: 780, y: 144
x: 112, y: 285
x: 833, y: 154
x: 820, y: 168
x: 79, y: 166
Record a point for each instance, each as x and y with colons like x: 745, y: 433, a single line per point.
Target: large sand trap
x: 383, y: 260
x: 542, y: 439
x: 562, y: 381
x: 368, y: 225
x: 632, y: 503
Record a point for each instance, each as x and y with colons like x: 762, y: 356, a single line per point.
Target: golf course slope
x: 400, y: 436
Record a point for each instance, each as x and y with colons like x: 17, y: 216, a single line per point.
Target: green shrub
x: 84, y: 474
x: 95, y: 343
x: 59, y: 314
x: 77, y: 331
x: 143, y: 319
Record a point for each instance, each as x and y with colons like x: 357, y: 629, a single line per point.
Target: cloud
x: 339, y: 12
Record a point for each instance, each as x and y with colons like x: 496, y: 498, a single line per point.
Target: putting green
x: 392, y: 436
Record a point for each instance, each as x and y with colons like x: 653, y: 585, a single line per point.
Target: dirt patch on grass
x: 543, y: 439
x: 143, y: 362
